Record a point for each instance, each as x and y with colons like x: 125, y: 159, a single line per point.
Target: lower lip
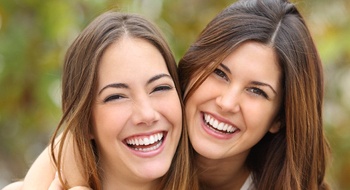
x: 214, y: 133
x: 151, y: 153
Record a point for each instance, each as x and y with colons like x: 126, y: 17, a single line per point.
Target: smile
x: 146, y: 143
x: 218, y: 126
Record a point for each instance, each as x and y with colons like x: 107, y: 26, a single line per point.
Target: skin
x: 15, y: 185
x: 245, y: 94
x: 131, y: 107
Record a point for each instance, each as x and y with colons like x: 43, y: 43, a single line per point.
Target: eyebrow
x: 264, y: 84
x: 225, y: 68
x: 125, y: 86
x: 114, y: 85
x: 156, y: 77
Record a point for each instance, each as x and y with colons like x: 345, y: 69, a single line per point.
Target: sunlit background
x: 35, y: 34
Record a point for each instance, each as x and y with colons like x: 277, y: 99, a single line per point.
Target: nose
x: 144, y: 112
x: 228, y: 100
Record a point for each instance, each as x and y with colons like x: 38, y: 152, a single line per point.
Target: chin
x: 154, y: 170
x: 206, y: 151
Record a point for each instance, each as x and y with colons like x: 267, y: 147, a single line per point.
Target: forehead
x: 255, y: 53
x: 255, y: 62
x: 130, y: 59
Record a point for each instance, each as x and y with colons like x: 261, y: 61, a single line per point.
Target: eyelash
x: 258, y: 92
x: 156, y: 89
x: 162, y: 88
x: 221, y: 74
x: 113, y: 97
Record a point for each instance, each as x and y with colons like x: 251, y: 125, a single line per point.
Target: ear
x: 275, y: 127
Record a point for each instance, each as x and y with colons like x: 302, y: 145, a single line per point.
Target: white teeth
x: 145, y: 140
x: 211, y: 121
x: 219, y: 125
x: 140, y: 142
x: 149, y: 148
x: 225, y: 127
x: 216, y: 124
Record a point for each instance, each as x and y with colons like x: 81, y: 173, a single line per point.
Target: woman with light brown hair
x: 122, y: 111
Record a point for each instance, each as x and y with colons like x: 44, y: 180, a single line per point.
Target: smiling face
x: 237, y: 104
x: 136, y: 114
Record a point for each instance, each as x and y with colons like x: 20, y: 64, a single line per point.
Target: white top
x: 248, y: 184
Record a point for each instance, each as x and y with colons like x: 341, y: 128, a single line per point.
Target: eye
x: 258, y: 91
x: 113, y: 98
x: 221, y: 74
x: 162, y: 88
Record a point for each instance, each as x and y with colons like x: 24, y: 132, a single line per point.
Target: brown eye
x: 258, y: 92
x: 221, y: 74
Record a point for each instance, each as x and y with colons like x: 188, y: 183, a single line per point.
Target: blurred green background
x: 35, y: 34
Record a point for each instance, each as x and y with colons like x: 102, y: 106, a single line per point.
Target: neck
x: 228, y: 173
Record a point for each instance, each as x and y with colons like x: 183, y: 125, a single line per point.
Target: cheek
x: 259, y: 117
x: 174, y: 112
x: 190, y: 111
x: 205, y: 92
x: 204, y: 95
x: 170, y: 108
x: 108, y: 121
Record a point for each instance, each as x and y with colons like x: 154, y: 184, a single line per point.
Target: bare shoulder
x: 14, y: 186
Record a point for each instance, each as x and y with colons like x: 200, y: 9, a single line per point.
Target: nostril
x: 228, y: 102
x: 144, y: 113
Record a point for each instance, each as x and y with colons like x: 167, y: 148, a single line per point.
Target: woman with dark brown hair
x: 256, y: 108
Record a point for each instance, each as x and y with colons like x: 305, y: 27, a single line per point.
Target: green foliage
x: 35, y: 34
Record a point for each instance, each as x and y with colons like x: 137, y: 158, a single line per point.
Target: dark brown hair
x: 79, y: 84
x: 295, y: 157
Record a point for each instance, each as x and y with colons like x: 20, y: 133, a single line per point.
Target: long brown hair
x: 79, y: 84
x: 295, y: 157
